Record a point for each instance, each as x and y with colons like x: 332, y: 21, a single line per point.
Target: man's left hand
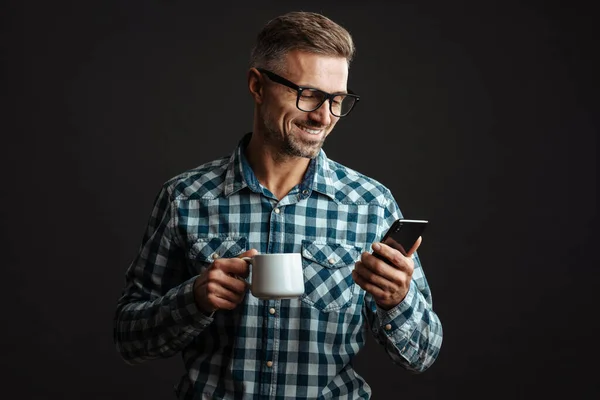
x: 388, y: 283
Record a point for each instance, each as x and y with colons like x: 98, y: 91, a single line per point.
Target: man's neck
x: 276, y: 172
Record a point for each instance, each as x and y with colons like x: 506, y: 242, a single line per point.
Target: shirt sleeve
x: 411, y: 332
x: 156, y: 315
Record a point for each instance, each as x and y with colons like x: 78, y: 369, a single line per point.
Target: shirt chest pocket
x: 206, y: 250
x: 328, y: 283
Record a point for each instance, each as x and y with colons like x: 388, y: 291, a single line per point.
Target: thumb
x: 415, y: 247
x: 249, y: 253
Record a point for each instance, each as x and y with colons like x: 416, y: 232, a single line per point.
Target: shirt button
x: 271, y: 311
x: 388, y: 327
x: 215, y: 256
x: 331, y: 261
x: 277, y: 211
x: 305, y: 192
x: 269, y: 364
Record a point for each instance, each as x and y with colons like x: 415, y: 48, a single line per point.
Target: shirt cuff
x: 399, y: 322
x: 185, y: 311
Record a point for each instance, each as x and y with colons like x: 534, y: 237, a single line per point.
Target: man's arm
x: 411, y: 332
x: 398, y: 303
x: 156, y: 315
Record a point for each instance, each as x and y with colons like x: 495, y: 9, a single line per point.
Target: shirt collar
x: 318, y: 176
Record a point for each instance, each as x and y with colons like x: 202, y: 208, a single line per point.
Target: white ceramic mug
x: 276, y: 276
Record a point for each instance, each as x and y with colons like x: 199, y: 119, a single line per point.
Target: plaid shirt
x: 278, y: 349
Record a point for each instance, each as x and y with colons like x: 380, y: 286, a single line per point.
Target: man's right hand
x: 219, y: 286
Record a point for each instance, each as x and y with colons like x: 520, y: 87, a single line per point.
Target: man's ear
x: 255, y: 85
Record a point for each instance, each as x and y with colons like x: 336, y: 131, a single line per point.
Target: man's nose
x: 322, y: 114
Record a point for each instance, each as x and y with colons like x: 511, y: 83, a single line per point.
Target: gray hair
x: 300, y: 30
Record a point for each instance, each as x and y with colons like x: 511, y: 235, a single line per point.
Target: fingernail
x: 376, y: 246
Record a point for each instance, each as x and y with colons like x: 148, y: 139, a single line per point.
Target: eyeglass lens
x: 311, y: 99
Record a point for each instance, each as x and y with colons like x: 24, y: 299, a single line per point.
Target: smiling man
x: 291, y: 123
x: 278, y: 193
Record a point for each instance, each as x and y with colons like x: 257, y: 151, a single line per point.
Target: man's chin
x: 305, y: 150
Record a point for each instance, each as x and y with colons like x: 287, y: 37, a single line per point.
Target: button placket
x: 271, y: 342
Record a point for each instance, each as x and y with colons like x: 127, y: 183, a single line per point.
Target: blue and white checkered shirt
x: 277, y: 349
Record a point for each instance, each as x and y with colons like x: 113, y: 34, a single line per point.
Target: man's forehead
x: 316, y: 70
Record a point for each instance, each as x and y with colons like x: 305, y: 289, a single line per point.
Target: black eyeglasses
x: 309, y: 99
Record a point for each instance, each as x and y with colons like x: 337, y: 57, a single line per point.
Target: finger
x: 385, y: 268
x: 210, y: 295
x: 234, y: 283
x: 367, y: 275
x: 232, y: 266
x: 249, y: 253
x: 220, y: 296
x: 218, y: 303
x: 415, y: 247
x: 393, y: 256
x: 368, y: 286
x: 217, y: 275
x: 375, y: 270
x: 386, y: 294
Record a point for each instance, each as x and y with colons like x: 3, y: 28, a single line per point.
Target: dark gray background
x: 481, y: 118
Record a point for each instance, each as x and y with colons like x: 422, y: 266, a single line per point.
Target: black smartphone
x: 403, y: 234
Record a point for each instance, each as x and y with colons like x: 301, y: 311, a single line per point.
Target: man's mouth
x: 310, y: 130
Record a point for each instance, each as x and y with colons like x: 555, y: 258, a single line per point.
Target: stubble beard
x: 290, y: 145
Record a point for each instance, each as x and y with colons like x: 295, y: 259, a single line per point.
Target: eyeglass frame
x: 299, y: 89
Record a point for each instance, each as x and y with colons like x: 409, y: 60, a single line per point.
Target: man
x: 278, y: 193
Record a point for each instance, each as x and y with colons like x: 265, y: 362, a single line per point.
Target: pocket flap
x: 330, y: 255
x: 209, y: 249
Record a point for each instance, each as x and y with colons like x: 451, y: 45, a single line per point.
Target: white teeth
x: 311, y: 131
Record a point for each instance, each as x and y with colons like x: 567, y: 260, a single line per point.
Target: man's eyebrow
x: 345, y: 91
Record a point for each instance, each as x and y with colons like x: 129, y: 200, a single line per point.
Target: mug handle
x: 249, y: 261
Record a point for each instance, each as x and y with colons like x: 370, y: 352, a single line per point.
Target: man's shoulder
x: 203, y: 181
x: 353, y: 186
